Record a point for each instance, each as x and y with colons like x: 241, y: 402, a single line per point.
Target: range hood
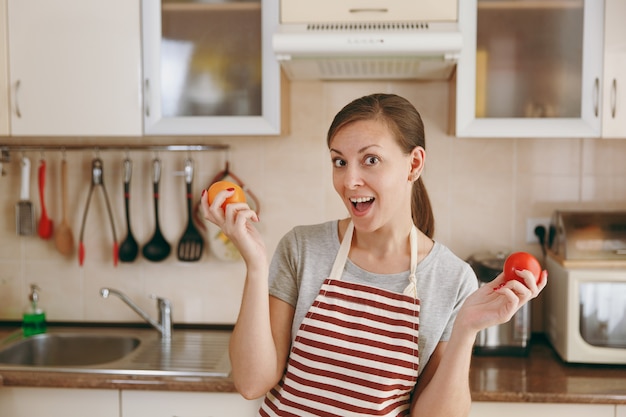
x: 370, y: 43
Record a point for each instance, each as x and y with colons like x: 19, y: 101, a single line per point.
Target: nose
x: 352, y: 177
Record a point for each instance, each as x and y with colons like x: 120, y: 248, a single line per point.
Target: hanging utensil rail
x: 6, y: 149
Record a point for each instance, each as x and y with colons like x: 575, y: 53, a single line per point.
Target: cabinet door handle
x: 18, y: 112
x: 596, y: 95
x: 613, y: 98
x: 147, y: 97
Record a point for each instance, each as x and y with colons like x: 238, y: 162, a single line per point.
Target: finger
x: 236, y: 211
x: 498, y: 280
x: 221, y: 197
x: 518, y: 289
x: 543, y: 280
x: 204, y: 203
x: 528, y: 277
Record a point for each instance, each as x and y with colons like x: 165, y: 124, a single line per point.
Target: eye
x: 371, y: 160
x: 338, y: 162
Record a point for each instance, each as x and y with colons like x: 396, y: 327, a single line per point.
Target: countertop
x: 544, y: 377
x: 539, y: 377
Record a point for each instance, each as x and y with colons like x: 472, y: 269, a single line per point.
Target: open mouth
x: 361, y: 204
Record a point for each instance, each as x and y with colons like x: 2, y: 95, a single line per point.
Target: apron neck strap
x: 342, y: 255
x: 344, y: 250
x: 411, y: 289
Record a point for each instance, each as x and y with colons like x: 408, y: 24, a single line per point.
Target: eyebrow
x: 363, y: 149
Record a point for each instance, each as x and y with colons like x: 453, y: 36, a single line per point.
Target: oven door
x: 603, y: 313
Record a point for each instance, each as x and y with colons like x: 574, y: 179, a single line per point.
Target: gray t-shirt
x: 304, y: 258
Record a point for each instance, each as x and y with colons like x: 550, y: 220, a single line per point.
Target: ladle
x: 63, y: 238
x: 157, y: 248
x: 129, y: 248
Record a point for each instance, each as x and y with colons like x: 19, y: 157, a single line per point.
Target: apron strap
x: 411, y: 289
x: 342, y: 255
x: 344, y: 250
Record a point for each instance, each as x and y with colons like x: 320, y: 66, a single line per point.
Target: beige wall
x: 482, y: 191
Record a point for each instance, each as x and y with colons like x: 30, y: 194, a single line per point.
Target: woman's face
x: 372, y: 175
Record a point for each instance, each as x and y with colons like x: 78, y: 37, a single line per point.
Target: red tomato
x: 520, y: 261
x: 216, y: 187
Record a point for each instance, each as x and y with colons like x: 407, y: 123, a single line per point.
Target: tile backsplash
x: 482, y: 191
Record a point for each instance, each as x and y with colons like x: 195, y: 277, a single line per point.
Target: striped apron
x: 356, y: 351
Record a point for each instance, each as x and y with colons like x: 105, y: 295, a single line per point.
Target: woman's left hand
x: 497, y: 301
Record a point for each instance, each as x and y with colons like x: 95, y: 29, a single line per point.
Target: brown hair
x: 406, y: 124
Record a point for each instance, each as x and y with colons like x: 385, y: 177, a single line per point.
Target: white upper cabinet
x: 209, y: 68
x: 614, y: 91
x: 74, y: 67
x: 326, y: 11
x: 531, y: 69
x: 4, y: 71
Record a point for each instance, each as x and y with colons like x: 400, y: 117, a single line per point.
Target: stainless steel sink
x: 119, y: 350
x: 68, y: 349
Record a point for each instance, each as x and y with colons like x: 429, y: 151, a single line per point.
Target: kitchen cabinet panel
x: 305, y: 11
x: 498, y: 409
x: 209, y: 68
x: 4, y: 71
x: 167, y: 404
x: 79, y: 72
x: 620, y: 411
x: 530, y: 69
x: 58, y: 402
x: 614, y: 91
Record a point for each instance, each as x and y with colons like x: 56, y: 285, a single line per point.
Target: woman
x: 365, y: 315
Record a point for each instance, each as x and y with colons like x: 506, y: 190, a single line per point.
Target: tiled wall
x: 482, y: 192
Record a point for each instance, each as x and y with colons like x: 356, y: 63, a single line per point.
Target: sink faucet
x: 164, y: 326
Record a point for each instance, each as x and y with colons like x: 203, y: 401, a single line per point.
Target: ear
x: 417, y: 159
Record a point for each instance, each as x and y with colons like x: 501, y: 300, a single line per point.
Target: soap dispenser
x: 34, y: 318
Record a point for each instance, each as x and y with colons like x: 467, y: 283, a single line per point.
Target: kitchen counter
x: 543, y: 377
x: 540, y: 377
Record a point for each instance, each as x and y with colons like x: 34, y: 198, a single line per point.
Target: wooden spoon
x: 64, y: 239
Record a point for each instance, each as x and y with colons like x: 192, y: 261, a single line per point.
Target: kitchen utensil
x: 63, y: 238
x: 96, y: 180
x: 157, y: 248
x: 220, y: 244
x: 191, y: 243
x: 129, y: 248
x: 45, y: 223
x: 24, y: 215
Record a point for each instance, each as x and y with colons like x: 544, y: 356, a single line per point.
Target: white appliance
x: 586, y: 292
x: 370, y: 39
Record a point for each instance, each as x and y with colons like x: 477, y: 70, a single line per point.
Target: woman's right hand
x: 236, y: 223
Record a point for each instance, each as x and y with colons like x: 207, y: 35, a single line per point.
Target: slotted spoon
x: 191, y: 243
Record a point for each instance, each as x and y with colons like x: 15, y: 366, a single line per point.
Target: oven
x: 585, y: 301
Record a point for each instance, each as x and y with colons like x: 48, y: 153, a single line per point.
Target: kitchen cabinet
x: 199, y: 404
x: 75, y: 67
x: 530, y: 69
x: 209, y: 68
x: 614, y: 90
x: 4, y: 71
x: 620, y: 411
x: 58, y: 402
x: 497, y: 409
